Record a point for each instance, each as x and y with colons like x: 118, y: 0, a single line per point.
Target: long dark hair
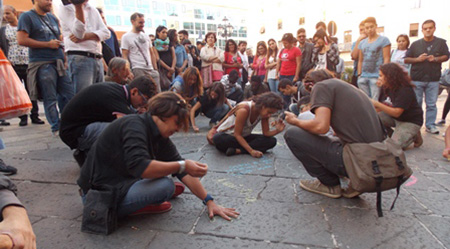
x: 172, y: 34
x: 268, y: 100
x: 270, y: 51
x: 198, y: 88
x: 158, y: 30
x: 227, y: 47
x: 218, y: 88
x: 395, y: 76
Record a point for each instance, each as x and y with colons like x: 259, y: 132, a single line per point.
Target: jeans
x: 146, y: 192
x: 369, y: 87
x: 287, y: 99
x: 217, y: 113
x: 84, y: 71
x: 90, y: 135
x: 273, y: 85
x: 431, y: 90
x: 320, y: 155
x: 404, y: 133
x: 223, y: 141
x: 54, y: 89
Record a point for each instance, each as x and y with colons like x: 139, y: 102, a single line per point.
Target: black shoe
x: 36, y: 120
x: 6, y: 169
x: 230, y: 152
x: 23, y: 120
x: 4, y: 123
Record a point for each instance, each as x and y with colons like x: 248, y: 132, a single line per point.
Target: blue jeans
x: 431, y: 90
x: 369, y: 87
x: 273, y: 85
x: 84, y: 71
x: 146, y: 192
x: 287, y: 99
x: 217, y: 113
x: 90, y: 135
x: 54, y: 89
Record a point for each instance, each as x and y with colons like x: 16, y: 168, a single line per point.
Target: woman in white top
x: 212, y: 58
x: 241, y: 140
x: 398, y: 55
x: 271, y: 65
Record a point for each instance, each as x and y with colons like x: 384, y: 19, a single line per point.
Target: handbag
x: 226, y: 124
x: 100, y: 208
x: 14, y: 99
x: 445, y: 78
x: 376, y: 167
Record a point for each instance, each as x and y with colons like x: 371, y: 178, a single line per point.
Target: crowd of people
x: 103, y: 97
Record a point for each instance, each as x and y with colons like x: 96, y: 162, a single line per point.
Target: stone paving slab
x: 273, y: 221
x: 66, y: 234
x: 438, y: 226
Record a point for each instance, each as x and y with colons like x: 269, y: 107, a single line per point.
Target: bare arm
x: 299, y: 67
x: 174, y: 58
x: 387, y: 54
x: 446, y: 152
x: 125, y: 54
x: 360, y: 61
x: 394, y: 112
x: 279, y: 127
x: 192, y: 115
x: 278, y: 70
x: 355, y: 51
x: 153, y: 56
x: 16, y: 221
x: 24, y: 39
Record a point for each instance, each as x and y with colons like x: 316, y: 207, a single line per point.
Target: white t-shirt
x: 139, y: 56
x: 322, y: 61
x: 272, y: 74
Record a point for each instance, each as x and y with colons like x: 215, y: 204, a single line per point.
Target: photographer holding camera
x: 39, y: 30
x: 83, y: 30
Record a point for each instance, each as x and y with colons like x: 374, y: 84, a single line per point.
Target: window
x: 347, y: 36
x: 243, y: 32
x: 148, y: 22
x: 413, y: 30
x: 198, y: 14
x: 212, y: 28
x: 143, y: 5
x: 158, y: 8
x: 189, y: 26
x: 129, y: 5
x: 301, y: 21
x: 114, y: 20
x: 280, y: 24
x: 159, y: 22
x: 171, y: 9
x: 200, y: 27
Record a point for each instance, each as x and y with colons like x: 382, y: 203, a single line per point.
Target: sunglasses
x: 143, y: 97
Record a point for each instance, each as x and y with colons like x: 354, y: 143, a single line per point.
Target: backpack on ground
x: 376, y: 167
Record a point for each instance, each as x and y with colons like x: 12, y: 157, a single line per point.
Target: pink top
x: 259, y: 65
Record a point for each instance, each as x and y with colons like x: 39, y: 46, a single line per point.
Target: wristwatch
x: 208, y: 198
x: 182, y: 164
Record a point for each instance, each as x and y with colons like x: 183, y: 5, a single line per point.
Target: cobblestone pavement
x: 275, y: 212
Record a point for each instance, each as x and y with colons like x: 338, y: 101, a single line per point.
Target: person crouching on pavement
x: 353, y: 118
x: 239, y: 139
x: 136, y: 155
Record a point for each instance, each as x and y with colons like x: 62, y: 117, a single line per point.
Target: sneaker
x: 441, y: 122
x: 179, y: 189
x: 154, y: 209
x: 432, y: 130
x: 230, y: 152
x: 6, y: 169
x: 350, y: 192
x: 317, y: 187
x: 4, y: 123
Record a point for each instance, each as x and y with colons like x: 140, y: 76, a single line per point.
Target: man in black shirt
x: 92, y: 109
x: 426, y: 57
x: 135, y: 155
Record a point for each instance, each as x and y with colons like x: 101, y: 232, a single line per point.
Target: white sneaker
x: 432, y: 130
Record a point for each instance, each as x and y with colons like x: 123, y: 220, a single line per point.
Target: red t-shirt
x: 288, y: 60
x: 230, y: 59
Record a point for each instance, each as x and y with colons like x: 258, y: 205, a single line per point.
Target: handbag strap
x: 47, y: 24
x: 232, y: 112
x: 140, y: 51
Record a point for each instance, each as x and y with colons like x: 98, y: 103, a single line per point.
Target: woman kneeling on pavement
x: 135, y: 155
x: 399, y: 107
x: 249, y: 113
x: 213, y: 104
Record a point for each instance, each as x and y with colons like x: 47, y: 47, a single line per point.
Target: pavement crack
x: 430, y: 232
x: 258, y: 196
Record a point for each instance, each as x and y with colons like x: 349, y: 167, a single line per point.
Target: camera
x: 67, y: 2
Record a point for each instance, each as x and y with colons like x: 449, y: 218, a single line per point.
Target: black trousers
x: 21, y: 71
x: 320, y: 155
x: 223, y: 141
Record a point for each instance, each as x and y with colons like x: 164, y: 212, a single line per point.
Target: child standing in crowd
x: 399, y: 54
